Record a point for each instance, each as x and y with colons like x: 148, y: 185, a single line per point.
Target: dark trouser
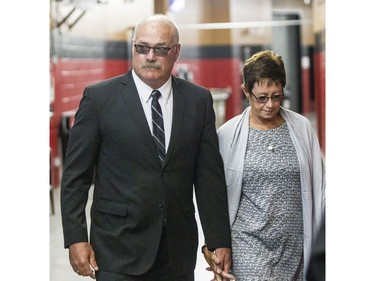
x: 160, y: 270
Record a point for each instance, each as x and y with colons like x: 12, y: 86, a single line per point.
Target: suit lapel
x: 130, y: 96
x: 178, y: 113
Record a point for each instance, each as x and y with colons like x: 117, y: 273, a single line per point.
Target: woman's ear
x: 245, y: 91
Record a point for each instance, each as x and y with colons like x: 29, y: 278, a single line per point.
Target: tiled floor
x: 60, y: 269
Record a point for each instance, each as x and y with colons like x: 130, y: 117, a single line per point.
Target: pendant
x: 270, y: 148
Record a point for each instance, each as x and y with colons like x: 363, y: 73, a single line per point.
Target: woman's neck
x: 264, y: 124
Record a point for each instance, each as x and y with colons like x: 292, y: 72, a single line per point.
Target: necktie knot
x: 155, y: 94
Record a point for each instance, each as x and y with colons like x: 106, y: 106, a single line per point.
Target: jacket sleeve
x: 78, y: 171
x: 210, y: 187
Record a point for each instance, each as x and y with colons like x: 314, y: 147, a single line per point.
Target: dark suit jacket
x: 132, y: 192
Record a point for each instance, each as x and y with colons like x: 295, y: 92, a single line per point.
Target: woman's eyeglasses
x: 159, y: 51
x: 264, y: 98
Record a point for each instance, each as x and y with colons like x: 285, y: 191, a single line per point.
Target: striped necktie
x: 157, y: 125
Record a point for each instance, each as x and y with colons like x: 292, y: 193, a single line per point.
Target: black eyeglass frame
x: 274, y: 98
x: 158, y: 50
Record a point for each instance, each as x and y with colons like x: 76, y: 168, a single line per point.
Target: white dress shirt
x: 165, y: 101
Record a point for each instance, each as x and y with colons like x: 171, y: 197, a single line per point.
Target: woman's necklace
x: 271, y: 146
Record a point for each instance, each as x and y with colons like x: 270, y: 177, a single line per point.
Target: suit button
x: 162, y: 173
x: 161, y: 206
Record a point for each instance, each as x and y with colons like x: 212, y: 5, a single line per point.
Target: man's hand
x: 220, y: 263
x: 82, y: 259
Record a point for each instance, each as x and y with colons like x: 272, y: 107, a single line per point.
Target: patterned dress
x: 267, y: 235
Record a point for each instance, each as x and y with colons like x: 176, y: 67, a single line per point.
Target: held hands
x: 220, y: 263
x: 82, y: 259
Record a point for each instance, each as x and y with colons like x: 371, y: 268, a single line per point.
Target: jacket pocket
x: 111, y: 207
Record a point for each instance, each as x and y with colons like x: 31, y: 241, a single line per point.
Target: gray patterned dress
x: 267, y: 235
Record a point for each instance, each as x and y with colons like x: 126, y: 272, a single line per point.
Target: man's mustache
x: 154, y: 65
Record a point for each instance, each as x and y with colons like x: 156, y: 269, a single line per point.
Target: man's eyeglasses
x: 264, y: 98
x: 159, y: 51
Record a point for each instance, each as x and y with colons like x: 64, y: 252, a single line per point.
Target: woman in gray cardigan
x: 275, y: 179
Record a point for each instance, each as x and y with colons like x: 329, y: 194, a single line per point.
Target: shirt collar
x: 144, y: 90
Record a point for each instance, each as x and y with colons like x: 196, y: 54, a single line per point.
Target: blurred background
x: 90, y: 40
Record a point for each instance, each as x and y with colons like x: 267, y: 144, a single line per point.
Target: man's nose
x: 151, y: 55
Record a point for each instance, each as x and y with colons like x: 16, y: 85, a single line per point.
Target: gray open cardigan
x: 232, y: 141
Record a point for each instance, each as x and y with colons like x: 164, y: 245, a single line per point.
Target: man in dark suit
x: 143, y: 224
